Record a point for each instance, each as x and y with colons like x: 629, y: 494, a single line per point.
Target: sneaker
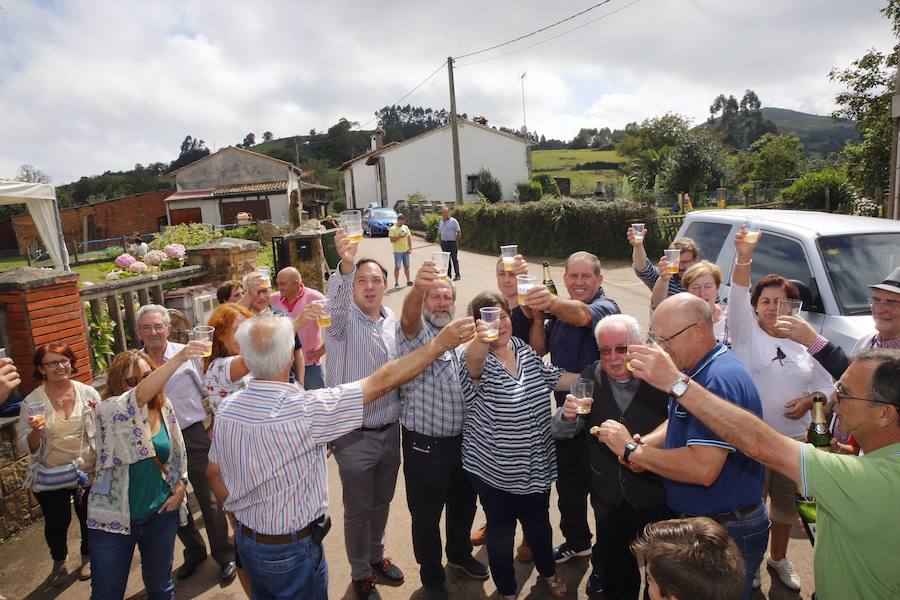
x: 756, y: 583
x: 565, y: 552
x: 387, y: 571
x: 523, y: 552
x: 471, y: 567
x: 479, y: 536
x: 785, y: 571
x: 594, y: 584
x: 457, y: 278
x: 396, y: 286
x: 365, y: 589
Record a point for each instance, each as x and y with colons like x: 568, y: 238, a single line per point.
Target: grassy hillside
x: 818, y: 134
x: 583, y: 167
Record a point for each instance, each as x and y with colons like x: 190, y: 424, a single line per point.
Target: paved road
x: 25, y: 560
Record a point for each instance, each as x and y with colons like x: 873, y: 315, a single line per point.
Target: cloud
x: 90, y: 86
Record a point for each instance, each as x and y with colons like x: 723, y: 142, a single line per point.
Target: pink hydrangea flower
x: 175, y: 251
x: 125, y: 260
x: 113, y: 275
x: 138, y: 267
x: 154, y: 257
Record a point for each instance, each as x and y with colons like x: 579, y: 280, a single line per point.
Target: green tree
x: 267, y: 136
x: 249, y: 140
x: 489, y: 186
x: 31, y: 174
x: 739, y: 123
x: 775, y: 158
x: 696, y: 163
x: 191, y: 149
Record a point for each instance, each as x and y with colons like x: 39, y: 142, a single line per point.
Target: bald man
x: 293, y: 298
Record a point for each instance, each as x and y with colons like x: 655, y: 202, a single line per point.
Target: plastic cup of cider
x: 204, y: 333
x: 37, y: 411
x: 491, y: 316
x: 582, y: 389
x: 673, y: 256
x: 351, y: 221
x: 323, y: 320
x: 638, y: 231
x: 753, y: 231
x: 508, y: 255
x: 442, y: 262
x: 523, y: 284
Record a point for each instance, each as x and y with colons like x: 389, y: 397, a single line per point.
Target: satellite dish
x: 523, y: 130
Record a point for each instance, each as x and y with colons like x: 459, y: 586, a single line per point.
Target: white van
x: 833, y: 259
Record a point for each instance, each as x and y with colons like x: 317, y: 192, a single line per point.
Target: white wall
x: 228, y: 167
x: 365, y: 183
x: 209, y: 209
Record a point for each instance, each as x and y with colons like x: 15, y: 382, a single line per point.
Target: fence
x: 413, y: 211
x: 115, y: 302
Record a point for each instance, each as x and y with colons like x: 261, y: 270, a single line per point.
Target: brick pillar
x: 225, y: 258
x: 42, y: 306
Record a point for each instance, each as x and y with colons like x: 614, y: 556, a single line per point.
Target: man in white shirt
x: 450, y: 234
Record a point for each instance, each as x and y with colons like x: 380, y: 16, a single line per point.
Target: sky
x: 91, y: 86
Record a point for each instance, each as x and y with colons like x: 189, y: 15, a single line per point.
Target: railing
x: 115, y: 301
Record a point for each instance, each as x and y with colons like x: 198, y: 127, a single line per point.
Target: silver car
x: 832, y: 258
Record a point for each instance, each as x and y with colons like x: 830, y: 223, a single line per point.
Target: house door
x: 186, y: 215
x: 258, y: 208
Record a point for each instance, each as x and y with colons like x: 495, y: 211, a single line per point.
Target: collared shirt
x: 650, y: 274
x: 448, y: 229
x: 185, y: 389
x: 270, y: 442
x: 432, y: 403
x: 358, y: 346
x: 740, y: 482
x: 310, y: 335
x: 875, y: 341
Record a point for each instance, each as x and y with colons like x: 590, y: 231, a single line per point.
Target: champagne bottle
x: 548, y: 281
x: 820, y: 437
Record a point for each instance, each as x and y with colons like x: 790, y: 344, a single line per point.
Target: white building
x: 217, y: 187
x: 424, y: 165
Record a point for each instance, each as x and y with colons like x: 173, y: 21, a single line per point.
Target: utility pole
x: 524, y: 122
x: 892, y: 210
x: 454, y: 130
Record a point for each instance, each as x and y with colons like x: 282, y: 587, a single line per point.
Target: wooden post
x: 827, y: 199
x: 454, y: 130
x: 115, y: 313
x: 130, y: 321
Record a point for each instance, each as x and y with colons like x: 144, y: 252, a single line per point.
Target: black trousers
x: 435, y: 479
x: 57, y: 508
x: 453, y: 248
x: 617, y: 527
x: 572, y: 486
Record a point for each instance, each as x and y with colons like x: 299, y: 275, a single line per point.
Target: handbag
x: 41, y: 478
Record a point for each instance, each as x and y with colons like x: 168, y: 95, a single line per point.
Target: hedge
x: 557, y: 227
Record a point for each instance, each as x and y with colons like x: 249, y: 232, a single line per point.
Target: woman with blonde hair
x: 703, y: 280
x: 139, y: 487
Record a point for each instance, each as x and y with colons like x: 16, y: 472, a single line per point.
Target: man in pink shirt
x: 294, y: 298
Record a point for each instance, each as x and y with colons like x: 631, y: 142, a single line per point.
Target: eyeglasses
x: 65, y: 362
x: 841, y: 395
x: 696, y: 289
x: 885, y: 302
x: 618, y: 349
x: 133, y: 381
x: 154, y: 328
x: 660, y: 339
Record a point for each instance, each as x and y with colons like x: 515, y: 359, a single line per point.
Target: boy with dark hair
x: 690, y: 559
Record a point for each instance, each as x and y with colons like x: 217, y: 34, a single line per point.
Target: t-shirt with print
x: 401, y: 245
x: 218, y: 382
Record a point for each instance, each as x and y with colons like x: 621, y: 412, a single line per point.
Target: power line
x: 535, y: 32
x: 551, y: 38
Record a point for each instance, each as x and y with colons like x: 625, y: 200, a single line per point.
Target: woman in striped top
x: 508, y: 450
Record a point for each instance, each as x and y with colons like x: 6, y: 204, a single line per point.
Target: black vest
x: 611, y: 481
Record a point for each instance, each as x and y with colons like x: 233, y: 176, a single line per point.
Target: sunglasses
x: 133, y: 381
x: 618, y: 349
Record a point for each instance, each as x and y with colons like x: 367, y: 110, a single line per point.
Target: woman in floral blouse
x: 225, y: 369
x: 139, y: 482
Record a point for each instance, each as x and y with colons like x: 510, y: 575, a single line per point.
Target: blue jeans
x: 313, y: 377
x: 751, y: 534
x: 111, y: 555
x: 296, y: 570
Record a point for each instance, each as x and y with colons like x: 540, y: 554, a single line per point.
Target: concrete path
x: 25, y: 560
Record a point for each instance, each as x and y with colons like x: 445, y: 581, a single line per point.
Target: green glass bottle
x: 548, y: 280
x: 819, y: 436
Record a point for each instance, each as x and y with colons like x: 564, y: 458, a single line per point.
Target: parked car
x: 832, y: 258
x: 377, y: 221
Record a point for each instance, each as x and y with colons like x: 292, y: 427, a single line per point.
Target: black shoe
x: 471, y: 567
x: 436, y: 591
x: 188, y: 569
x: 457, y: 278
x: 565, y: 552
x: 594, y: 584
x: 365, y: 589
x: 409, y: 284
x: 387, y: 572
x: 228, y: 572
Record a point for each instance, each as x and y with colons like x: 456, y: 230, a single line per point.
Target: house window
x: 471, y: 184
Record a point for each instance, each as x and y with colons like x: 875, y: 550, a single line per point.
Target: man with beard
x: 431, y: 414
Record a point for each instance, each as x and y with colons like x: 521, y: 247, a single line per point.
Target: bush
x: 489, y: 186
x: 808, y: 191
x: 556, y: 227
x: 529, y: 192
x: 251, y: 232
x: 189, y: 235
x: 549, y: 187
x: 431, y: 222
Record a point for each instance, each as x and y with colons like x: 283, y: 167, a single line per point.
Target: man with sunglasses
x: 704, y: 474
x: 857, y: 547
x: 624, y: 501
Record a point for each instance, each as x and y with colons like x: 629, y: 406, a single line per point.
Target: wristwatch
x: 680, y: 387
x: 629, y: 448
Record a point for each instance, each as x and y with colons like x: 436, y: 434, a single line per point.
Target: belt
x: 379, y: 429
x: 273, y: 540
x: 727, y: 516
x: 430, y: 439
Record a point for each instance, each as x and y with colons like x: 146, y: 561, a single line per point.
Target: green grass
x: 595, y: 165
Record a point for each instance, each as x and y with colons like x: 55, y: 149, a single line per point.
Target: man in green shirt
x: 857, y: 554
x: 401, y: 238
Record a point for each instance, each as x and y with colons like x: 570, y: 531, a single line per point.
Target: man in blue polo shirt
x: 569, y: 337
x: 705, y: 476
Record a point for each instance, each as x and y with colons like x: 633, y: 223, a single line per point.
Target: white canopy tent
x: 40, y: 198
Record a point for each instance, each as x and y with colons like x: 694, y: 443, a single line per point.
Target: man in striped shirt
x: 363, y: 337
x: 648, y: 273
x: 432, y: 413
x: 268, y: 460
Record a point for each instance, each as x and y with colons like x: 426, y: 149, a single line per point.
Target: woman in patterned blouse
x: 225, y: 369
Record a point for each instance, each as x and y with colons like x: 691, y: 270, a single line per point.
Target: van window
x: 855, y: 262
x: 782, y: 256
x: 709, y: 236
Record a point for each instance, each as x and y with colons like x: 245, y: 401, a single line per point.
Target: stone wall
x: 18, y: 506
x: 224, y: 258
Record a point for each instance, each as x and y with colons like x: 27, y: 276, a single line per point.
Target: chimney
x: 377, y: 139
